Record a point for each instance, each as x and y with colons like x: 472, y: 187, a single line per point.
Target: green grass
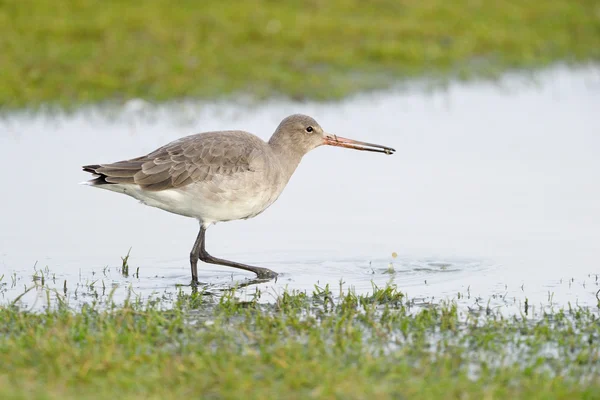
x: 320, y: 345
x: 75, y: 52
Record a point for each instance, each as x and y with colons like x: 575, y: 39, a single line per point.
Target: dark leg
x: 261, y: 273
x: 195, y: 253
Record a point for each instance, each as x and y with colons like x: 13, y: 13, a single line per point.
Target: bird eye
x: 309, y: 129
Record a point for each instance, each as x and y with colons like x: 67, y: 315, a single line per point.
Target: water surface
x: 494, y: 193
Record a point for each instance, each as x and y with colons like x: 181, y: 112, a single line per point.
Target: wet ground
x: 493, y: 193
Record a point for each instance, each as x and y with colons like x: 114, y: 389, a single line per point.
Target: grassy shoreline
x: 85, y: 52
x: 317, y: 345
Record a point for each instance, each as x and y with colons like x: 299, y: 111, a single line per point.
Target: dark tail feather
x: 120, y: 172
x: 100, y: 179
x: 91, y: 168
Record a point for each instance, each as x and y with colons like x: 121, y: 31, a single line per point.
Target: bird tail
x: 115, y: 173
x: 99, y: 179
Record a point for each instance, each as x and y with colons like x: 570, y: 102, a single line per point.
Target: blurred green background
x: 75, y: 52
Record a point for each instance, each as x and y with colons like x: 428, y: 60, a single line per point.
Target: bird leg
x: 199, y: 252
x: 195, y: 254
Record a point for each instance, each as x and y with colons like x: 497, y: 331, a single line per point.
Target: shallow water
x: 493, y: 193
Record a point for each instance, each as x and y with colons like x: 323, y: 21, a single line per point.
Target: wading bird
x: 220, y: 176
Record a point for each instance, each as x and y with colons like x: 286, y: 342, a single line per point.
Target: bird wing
x: 197, y: 158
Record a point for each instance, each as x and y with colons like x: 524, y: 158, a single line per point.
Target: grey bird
x: 220, y: 176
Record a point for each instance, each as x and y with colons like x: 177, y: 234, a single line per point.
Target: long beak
x: 333, y: 140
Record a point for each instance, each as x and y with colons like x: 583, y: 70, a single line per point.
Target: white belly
x: 202, y: 203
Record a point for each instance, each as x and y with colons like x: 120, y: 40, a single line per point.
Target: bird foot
x: 265, y: 273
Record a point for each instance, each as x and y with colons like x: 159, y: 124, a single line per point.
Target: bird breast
x: 227, y: 198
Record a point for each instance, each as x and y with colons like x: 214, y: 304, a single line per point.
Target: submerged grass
x: 87, y: 51
x: 317, y: 345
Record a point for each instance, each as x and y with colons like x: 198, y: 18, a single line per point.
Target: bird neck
x: 288, y: 154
